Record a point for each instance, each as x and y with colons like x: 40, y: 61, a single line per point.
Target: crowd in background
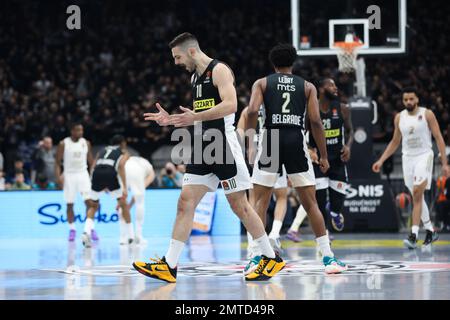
x: 116, y: 67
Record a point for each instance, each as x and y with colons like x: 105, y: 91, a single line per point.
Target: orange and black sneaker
x: 267, y: 268
x: 159, y: 269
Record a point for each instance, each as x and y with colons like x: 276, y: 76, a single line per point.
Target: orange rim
x: 347, y: 46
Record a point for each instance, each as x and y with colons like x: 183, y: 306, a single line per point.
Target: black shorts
x: 105, y: 177
x: 291, y: 151
x: 225, y: 168
x: 283, y: 147
x: 231, y: 172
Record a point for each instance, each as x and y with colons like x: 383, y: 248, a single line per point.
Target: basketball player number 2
x: 284, y: 108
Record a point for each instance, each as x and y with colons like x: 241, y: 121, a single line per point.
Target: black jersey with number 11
x: 284, y: 101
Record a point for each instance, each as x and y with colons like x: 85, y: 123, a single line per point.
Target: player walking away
x: 215, y: 104
x: 280, y: 191
x: 413, y: 127
x: 109, y: 175
x: 336, y: 120
x: 140, y: 174
x: 76, y: 153
x: 287, y: 98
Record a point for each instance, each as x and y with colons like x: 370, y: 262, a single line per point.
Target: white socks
x: 324, y: 245
x: 425, y: 217
x: 415, y: 230
x: 276, y: 228
x: 265, y: 247
x: 173, y: 253
x: 299, y: 217
x: 252, y: 247
x: 88, y: 225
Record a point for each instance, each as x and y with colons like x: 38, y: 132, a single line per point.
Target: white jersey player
x: 75, y: 152
x: 139, y: 174
x: 414, y: 127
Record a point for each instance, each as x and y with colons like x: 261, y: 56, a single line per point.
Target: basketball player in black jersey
x: 336, y: 120
x: 214, y: 104
x: 109, y: 175
x: 280, y: 188
x: 287, y: 98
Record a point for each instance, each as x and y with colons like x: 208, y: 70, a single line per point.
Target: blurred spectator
x: 109, y: 74
x: 44, y: 159
x: 19, y: 167
x: 170, y: 177
x: 42, y: 183
x: 19, y: 182
x: 1, y: 161
x: 2, y: 181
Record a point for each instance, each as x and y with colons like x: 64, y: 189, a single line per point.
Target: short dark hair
x: 283, y: 55
x: 74, y: 124
x: 181, y: 39
x: 323, y: 81
x: 410, y: 90
x: 117, y: 139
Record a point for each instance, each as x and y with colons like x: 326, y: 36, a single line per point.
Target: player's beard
x: 330, y: 96
x: 410, y: 107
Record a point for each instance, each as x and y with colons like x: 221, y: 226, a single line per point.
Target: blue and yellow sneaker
x: 252, y: 265
x: 159, y: 269
x: 266, y: 269
x: 333, y: 265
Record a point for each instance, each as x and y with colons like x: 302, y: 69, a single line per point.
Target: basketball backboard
x: 380, y: 25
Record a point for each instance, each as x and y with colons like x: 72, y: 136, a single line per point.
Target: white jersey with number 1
x: 416, y: 148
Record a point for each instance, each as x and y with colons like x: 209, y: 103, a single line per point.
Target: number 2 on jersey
x: 287, y: 97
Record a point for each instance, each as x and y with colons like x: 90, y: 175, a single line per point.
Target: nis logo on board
x: 364, y: 191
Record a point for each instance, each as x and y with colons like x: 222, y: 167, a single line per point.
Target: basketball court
x: 380, y: 268
x: 211, y: 266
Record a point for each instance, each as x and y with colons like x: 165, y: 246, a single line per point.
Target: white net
x: 347, y: 59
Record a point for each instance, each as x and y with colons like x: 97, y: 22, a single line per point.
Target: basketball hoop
x: 347, y: 53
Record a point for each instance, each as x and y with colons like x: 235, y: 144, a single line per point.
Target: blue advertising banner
x: 42, y: 214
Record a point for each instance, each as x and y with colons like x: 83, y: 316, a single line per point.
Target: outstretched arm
x: 392, y: 146
x: 162, y: 117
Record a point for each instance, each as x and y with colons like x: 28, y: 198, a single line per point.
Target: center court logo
x: 292, y: 269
